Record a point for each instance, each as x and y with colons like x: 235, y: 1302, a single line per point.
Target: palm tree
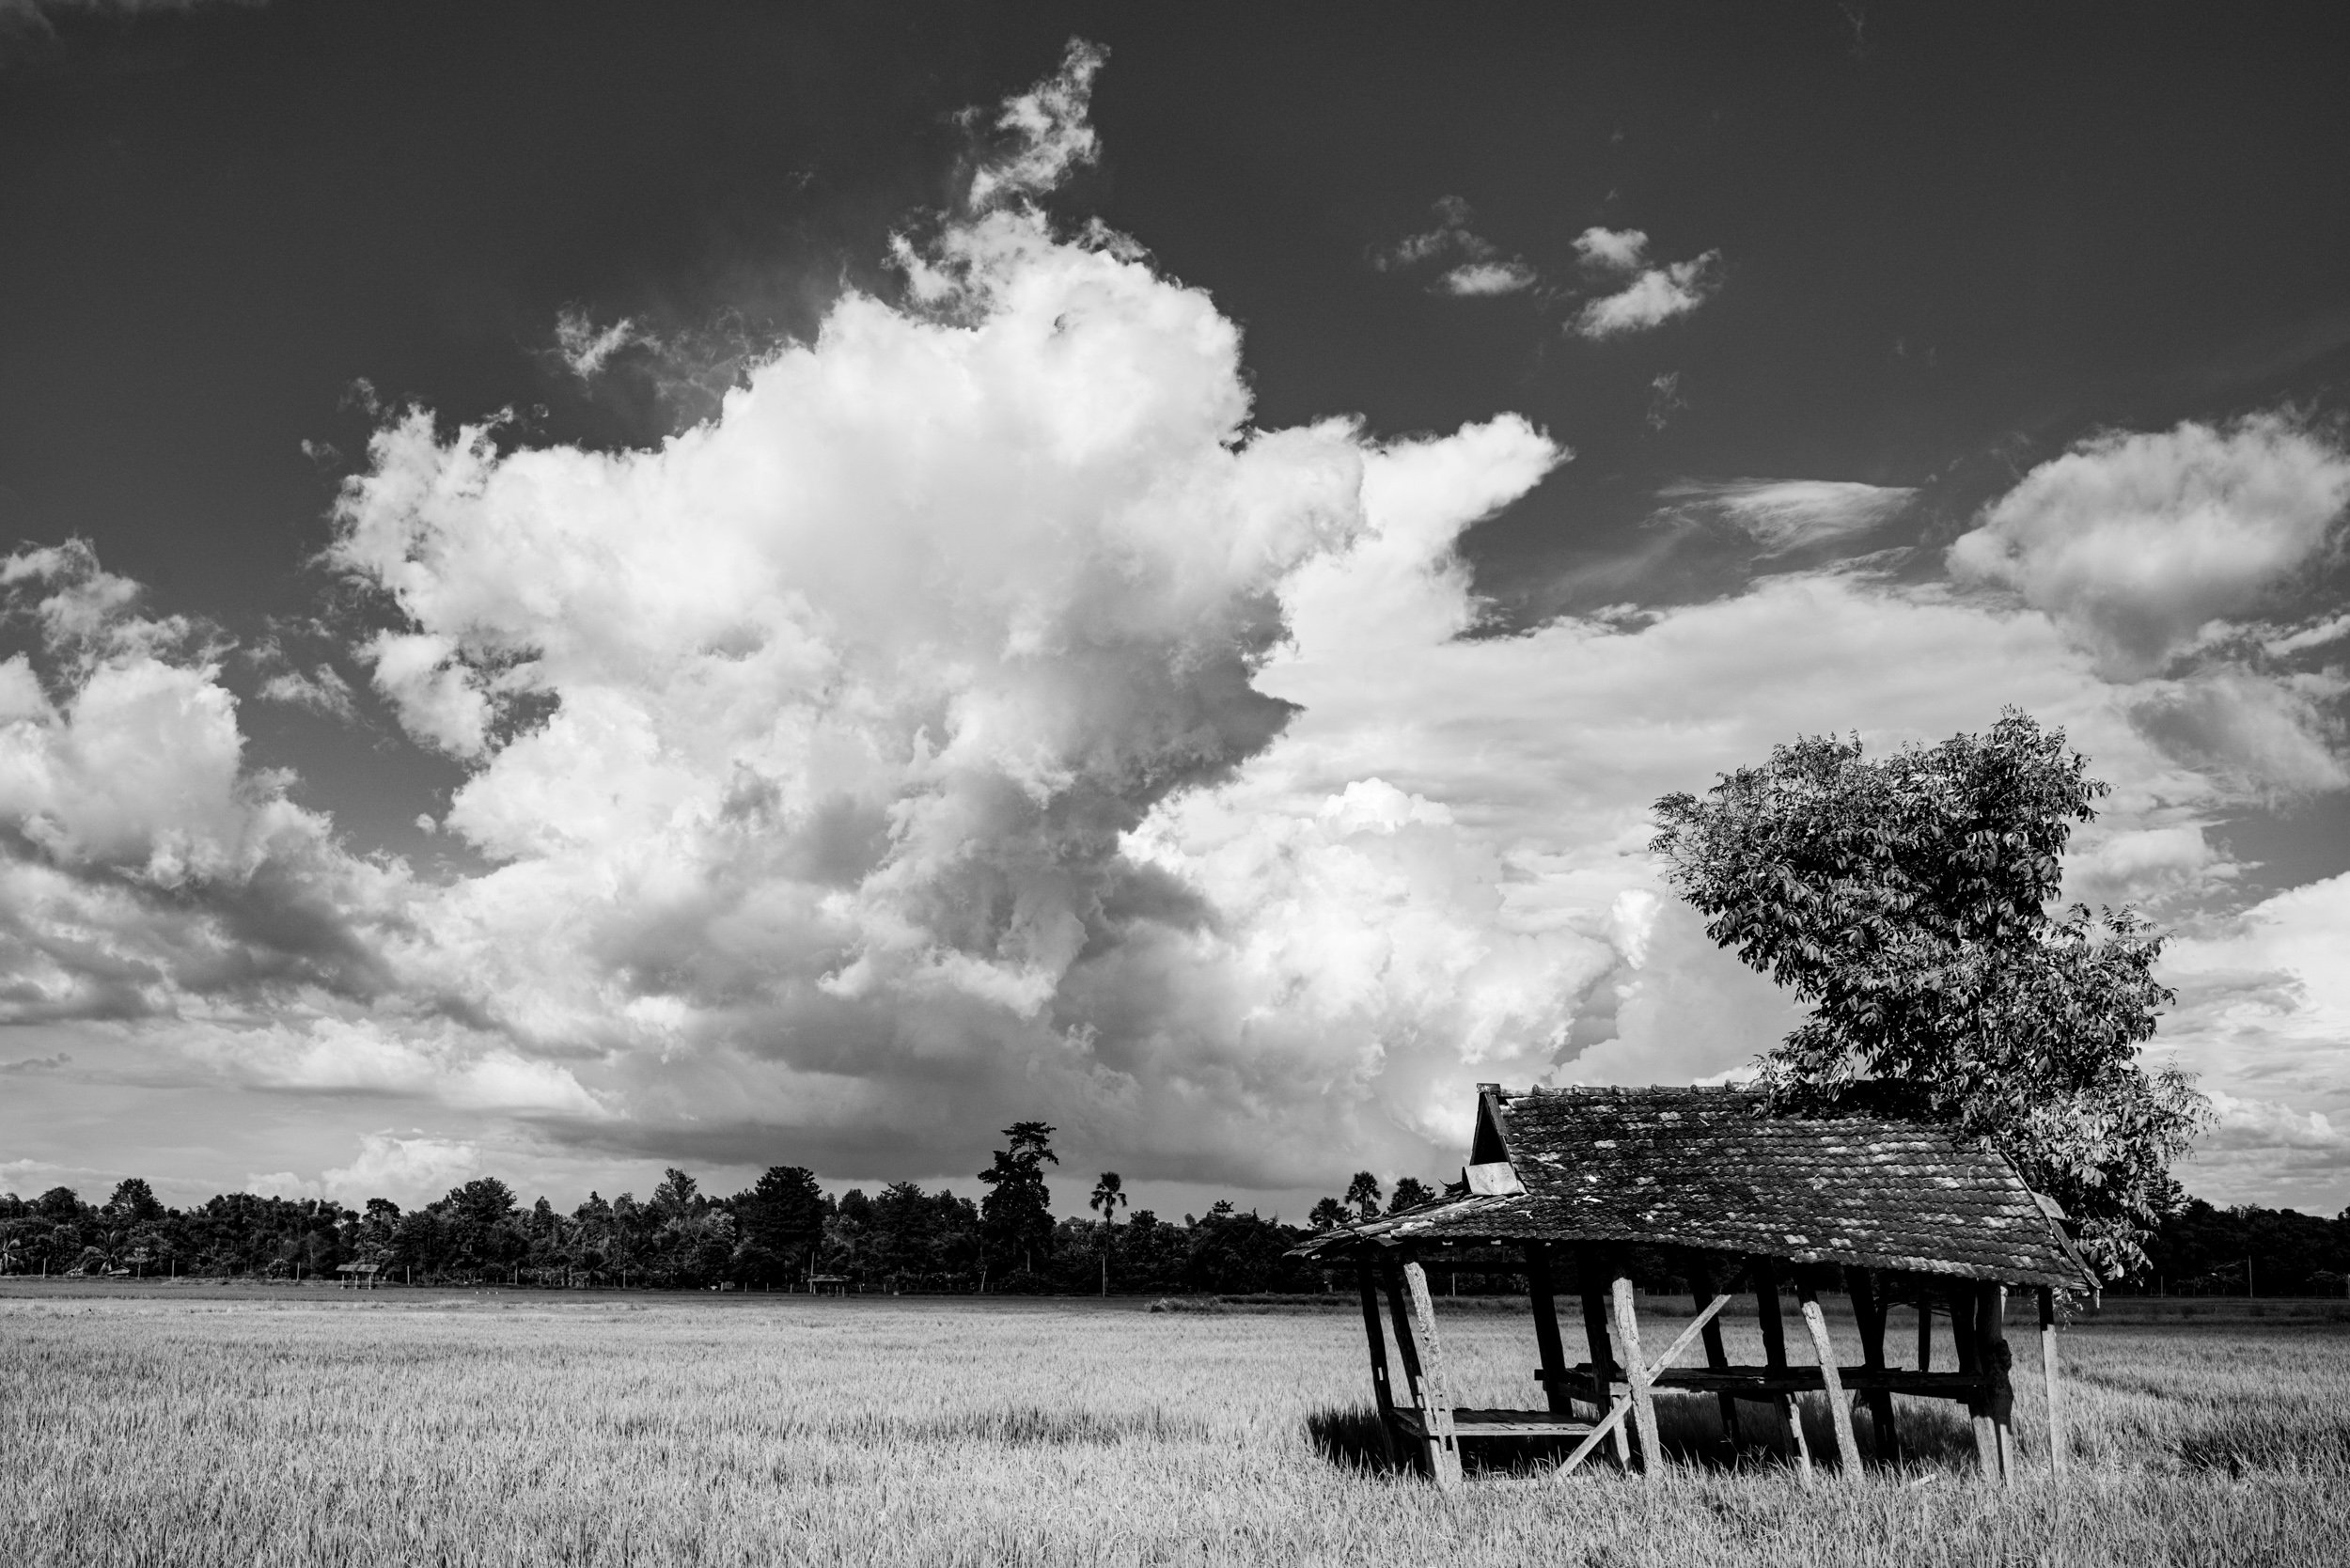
x: 1109, y: 1191
x: 1363, y: 1192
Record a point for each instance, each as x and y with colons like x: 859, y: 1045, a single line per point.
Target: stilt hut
x: 1889, y: 1212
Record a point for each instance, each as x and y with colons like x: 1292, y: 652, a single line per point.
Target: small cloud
x: 321, y: 691
x: 1664, y: 398
x: 1788, y: 514
x: 1612, y: 249
x: 1488, y: 278
x: 2320, y: 635
x: 1046, y: 132
x: 35, y: 1064
x: 1473, y: 268
x: 1655, y: 297
x: 586, y: 348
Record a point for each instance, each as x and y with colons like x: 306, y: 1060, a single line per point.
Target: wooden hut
x: 1892, y: 1212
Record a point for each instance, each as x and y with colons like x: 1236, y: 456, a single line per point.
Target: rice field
x: 185, y: 1426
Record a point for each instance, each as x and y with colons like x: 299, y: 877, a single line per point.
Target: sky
x: 596, y: 585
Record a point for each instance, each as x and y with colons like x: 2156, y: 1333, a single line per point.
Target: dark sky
x: 1940, y: 247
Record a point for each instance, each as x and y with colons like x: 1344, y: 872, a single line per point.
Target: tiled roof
x: 1704, y: 1168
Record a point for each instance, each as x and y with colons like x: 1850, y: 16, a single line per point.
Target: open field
x: 193, y: 1426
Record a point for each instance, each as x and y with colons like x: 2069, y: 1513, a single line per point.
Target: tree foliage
x: 1016, y: 1215
x: 1906, y: 899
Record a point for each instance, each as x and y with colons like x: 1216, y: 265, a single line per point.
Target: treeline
x: 784, y: 1233
x: 2202, y: 1250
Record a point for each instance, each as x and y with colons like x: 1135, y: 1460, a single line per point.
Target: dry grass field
x: 185, y: 1426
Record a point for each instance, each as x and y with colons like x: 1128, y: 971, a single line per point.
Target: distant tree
x: 1109, y: 1194
x: 1329, y: 1214
x: 782, y: 1217
x: 678, y: 1197
x: 133, y: 1204
x: 1363, y: 1192
x: 1016, y: 1215
x: 1410, y: 1193
x: 1905, y: 900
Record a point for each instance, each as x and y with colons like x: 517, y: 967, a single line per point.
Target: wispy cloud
x: 1783, y: 515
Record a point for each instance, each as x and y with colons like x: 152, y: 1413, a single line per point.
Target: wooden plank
x: 1868, y: 1305
x: 1378, y: 1337
x: 1925, y: 1329
x: 1517, y: 1423
x: 1785, y: 1414
x: 1444, y: 1449
x: 2048, y: 1381
x: 1838, y: 1410
x: 1609, y: 1424
x: 1547, y: 1341
x: 1591, y: 1265
x: 1627, y: 1323
x: 1407, y: 1348
x: 1717, y: 1356
x: 1696, y: 1325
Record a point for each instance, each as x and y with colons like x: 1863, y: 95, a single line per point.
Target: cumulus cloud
x: 411, y: 1171
x: 982, y: 716
x: 2133, y: 541
x: 1620, y: 250
x: 586, y: 348
x: 1653, y: 298
x: 1781, y: 515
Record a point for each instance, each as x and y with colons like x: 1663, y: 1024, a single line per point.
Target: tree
x: 782, y: 1220
x: 1905, y: 901
x: 1016, y: 1215
x: 133, y: 1202
x: 1329, y: 1214
x: 1410, y: 1193
x: 1109, y: 1193
x: 1363, y: 1192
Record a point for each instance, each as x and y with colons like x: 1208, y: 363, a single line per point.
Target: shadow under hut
x: 1891, y: 1212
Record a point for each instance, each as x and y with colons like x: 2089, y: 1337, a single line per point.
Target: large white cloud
x: 2133, y: 541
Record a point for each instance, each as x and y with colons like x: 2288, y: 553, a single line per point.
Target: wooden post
x: 1716, y: 1355
x: 1868, y: 1306
x: 1554, y: 1352
x: 1925, y: 1328
x: 1435, y: 1401
x: 1591, y: 1266
x: 1838, y: 1410
x: 1995, y: 1362
x: 1380, y: 1391
x: 1785, y: 1412
x: 1627, y: 1323
x: 2048, y: 1381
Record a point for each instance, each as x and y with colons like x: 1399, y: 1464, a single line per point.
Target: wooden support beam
x: 1717, y: 1356
x: 1626, y: 1324
x: 1925, y: 1328
x: 1436, y: 1398
x: 1540, y: 1291
x: 2048, y: 1381
x: 1378, y: 1337
x: 1839, y: 1410
x: 1868, y: 1306
x: 1592, y: 1267
x: 1996, y: 1360
x: 1786, y: 1413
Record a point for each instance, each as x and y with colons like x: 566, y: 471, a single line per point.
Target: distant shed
x: 1892, y: 1212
